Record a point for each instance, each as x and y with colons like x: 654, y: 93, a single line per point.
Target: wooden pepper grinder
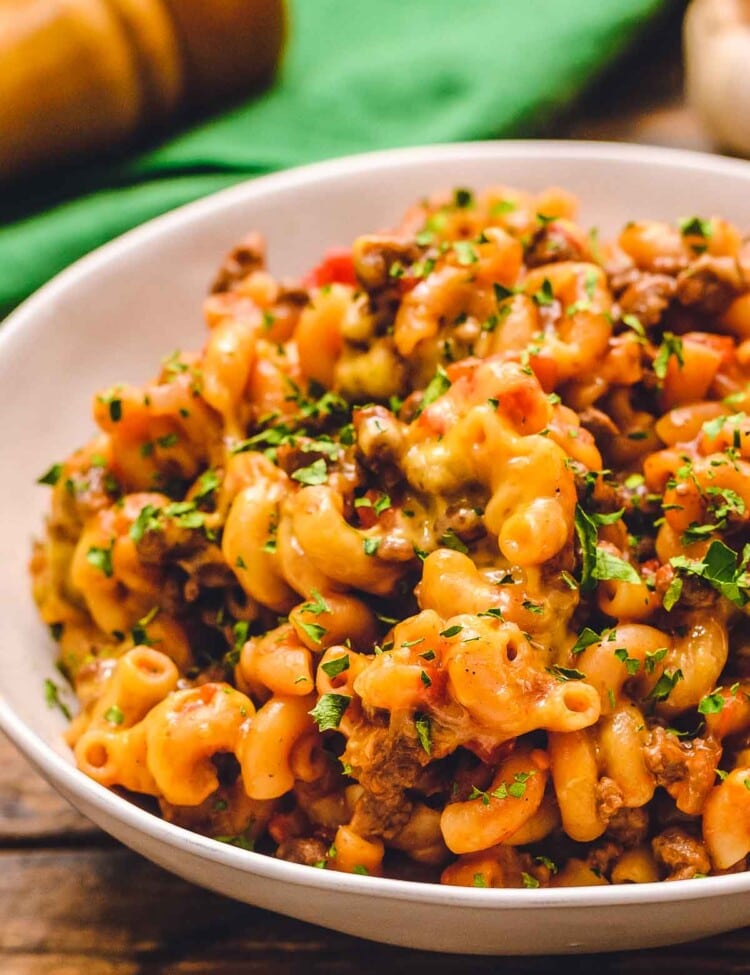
x: 80, y: 76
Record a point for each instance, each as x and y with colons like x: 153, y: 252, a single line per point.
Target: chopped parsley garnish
x: 565, y: 673
x: 241, y: 841
x: 665, y: 685
x: 451, y: 540
x: 465, y: 253
x: 528, y: 880
x: 451, y: 631
x: 501, y: 292
x: 371, y: 546
x: 52, y: 697
x: 672, y: 595
x: 423, y: 726
x: 336, y: 666
x: 139, y: 633
x: 653, y: 657
x: 586, y: 638
x: 329, y: 710
x: 316, y: 473
x: 722, y: 568
x: 712, y: 703
x: 317, y: 605
x: 52, y: 476
x: 313, y: 630
x: 101, y: 558
x: 207, y: 483
x: 670, y: 346
x: 632, y: 664
x: 438, y: 385
x: 114, y: 715
x: 478, y: 880
x: 545, y: 295
x: 381, y: 504
x: 635, y: 324
x: 114, y: 403
x: 598, y: 563
x: 463, y: 199
x: 696, y: 227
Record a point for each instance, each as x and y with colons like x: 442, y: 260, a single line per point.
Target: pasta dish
x: 434, y: 564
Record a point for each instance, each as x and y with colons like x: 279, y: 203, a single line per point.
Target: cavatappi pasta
x: 436, y: 563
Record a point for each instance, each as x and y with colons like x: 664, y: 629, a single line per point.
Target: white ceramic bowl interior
x: 115, y: 314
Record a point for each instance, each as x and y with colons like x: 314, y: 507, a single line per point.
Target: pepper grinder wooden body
x: 81, y: 76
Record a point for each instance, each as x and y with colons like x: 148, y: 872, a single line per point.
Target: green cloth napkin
x: 358, y: 75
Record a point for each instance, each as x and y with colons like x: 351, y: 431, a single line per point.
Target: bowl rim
x: 106, y: 805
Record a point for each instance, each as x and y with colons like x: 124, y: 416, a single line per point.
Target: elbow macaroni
x: 438, y: 554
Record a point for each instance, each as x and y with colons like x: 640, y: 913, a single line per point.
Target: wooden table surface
x: 74, y: 902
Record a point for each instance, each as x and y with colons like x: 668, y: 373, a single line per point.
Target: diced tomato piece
x: 337, y: 267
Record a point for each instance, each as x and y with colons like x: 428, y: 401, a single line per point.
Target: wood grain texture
x: 30, y: 811
x: 94, y: 911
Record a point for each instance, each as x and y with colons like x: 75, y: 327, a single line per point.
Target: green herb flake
x: 336, y: 666
x: 528, y: 880
x: 52, y: 476
x: 438, y: 385
x: 653, y: 657
x: 630, y: 321
x: 632, y: 664
x: 721, y: 569
x: 712, y: 703
x: 371, y: 546
x: 52, y: 697
x: 423, y: 726
x: 451, y: 631
x: 313, y: 630
x: 478, y: 880
x: 147, y: 520
x: 672, y: 594
x: 241, y: 841
x: 317, y: 604
x: 101, y: 558
x: 451, y: 540
x: 665, y: 685
x: 463, y: 198
x: 114, y: 715
x: 696, y: 227
x: 168, y: 440
x: 329, y: 710
x: 545, y: 295
x: 565, y: 673
x: 316, y: 473
x: 586, y: 638
x: 207, y: 483
x: 671, y: 345
x: 465, y: 252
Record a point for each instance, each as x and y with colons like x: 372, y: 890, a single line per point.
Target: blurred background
x: 112, y: 111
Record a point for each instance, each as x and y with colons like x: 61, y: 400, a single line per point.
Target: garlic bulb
x: 717, y: 64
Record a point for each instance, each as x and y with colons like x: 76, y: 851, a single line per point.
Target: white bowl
x: 114, y: 315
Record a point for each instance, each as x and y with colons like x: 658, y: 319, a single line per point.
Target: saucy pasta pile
x: 434, y: 564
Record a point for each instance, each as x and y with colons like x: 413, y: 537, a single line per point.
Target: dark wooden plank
x: 103, y: 911
x: 31, y: 811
